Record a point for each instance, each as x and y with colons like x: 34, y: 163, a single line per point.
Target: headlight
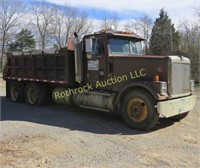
x: 192, y: 85
x: 163, y: 88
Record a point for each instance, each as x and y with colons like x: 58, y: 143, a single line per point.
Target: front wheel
x: 138, y: 110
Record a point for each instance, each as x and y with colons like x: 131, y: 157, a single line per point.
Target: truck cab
x: 101, y: 47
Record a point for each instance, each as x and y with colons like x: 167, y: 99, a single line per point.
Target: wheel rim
x: 14, y: 93
x: 32, y: 95
x: 137, y: 110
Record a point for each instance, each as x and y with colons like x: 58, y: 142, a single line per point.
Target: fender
x: 137, y: 85
x: 130, y: 85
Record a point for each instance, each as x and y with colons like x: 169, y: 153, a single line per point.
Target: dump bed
x: 53, y: 67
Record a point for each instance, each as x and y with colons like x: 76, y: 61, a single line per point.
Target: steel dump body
x: 43, y: 67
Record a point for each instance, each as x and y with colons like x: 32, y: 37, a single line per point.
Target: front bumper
x: 177, y: 106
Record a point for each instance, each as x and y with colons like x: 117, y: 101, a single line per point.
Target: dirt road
x: 63, y: 136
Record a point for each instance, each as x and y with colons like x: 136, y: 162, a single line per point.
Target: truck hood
x: 152, y: 65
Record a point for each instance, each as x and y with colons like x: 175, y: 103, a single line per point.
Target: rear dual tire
x: 16, y: 91
x: 35, y: 94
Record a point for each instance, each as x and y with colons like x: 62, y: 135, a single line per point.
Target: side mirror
x: 88, y: 45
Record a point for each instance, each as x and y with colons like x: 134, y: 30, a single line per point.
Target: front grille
x: 180, y: 79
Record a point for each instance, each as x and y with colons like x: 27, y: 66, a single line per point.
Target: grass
x: 197, y: 85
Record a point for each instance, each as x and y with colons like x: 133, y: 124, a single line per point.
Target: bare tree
x: 67, y: 21
x: 196, y: 9
x: 132, y: 26
x: 185, y: 31
x: 43, y: 19
x: 141, y: 26
x: 55, y: 25
x: 190, y: 46
x: 10, y: 13
x: 58, y: 35
x: 70, y: 17
x: 76, y: 21
x: 82, y: 24
x: 145, y: 25
x: 108, y: 21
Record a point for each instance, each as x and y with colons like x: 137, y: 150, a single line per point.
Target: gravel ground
x: 63, y: 136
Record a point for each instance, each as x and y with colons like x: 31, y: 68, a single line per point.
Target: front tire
x: 138, y: 110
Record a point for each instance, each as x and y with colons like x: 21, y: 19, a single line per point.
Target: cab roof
x: 125, y: 34
x: 117, y: 34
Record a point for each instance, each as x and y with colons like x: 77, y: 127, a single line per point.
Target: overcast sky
x: 131, y: 9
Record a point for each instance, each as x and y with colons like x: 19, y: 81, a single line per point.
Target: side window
x: 97, y: 46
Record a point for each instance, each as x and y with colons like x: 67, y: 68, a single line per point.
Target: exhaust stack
x: 78, y: 59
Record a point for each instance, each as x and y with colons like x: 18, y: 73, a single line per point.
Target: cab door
x: 96, y: 61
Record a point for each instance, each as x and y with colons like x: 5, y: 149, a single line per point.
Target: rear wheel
x: 35, y: 94
x: 16, y: 91
x: 138, y: 110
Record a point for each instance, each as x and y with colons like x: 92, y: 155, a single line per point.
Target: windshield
x: 124, y: 46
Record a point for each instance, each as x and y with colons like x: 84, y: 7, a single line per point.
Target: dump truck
x: 105, y: 71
